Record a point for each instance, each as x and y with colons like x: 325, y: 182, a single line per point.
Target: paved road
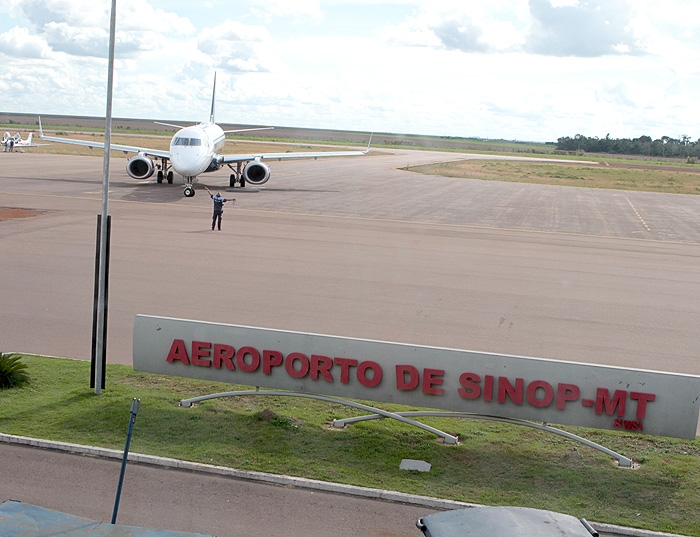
x: 201, y: 502
x: 179, y: 500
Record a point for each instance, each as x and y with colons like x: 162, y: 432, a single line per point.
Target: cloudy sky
x: 511, y: 69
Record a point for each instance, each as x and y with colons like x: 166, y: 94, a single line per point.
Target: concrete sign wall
x: 533, y: 389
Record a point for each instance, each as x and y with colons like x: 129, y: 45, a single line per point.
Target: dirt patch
x: 7, y: 213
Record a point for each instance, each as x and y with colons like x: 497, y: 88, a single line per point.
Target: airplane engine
x: 140, y: 167
x: 256, y: 173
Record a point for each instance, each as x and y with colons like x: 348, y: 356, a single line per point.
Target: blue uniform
x: 218, y: 210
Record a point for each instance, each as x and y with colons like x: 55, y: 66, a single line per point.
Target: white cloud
x: 586, y: 29
x: 469, y: 27
x: 526, y: 69
x: 18, y: 42
x: 81, y: 27
x: 295, y: 12
x: 550, y: 28
x: 235, y: 47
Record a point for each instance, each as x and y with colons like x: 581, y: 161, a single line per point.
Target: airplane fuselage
x: 17, y: 140
x: 194, y: 150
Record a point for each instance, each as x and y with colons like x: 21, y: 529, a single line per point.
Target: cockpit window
x: 187, y: 141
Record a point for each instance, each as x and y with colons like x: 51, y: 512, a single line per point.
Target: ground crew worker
x: 218, y: 208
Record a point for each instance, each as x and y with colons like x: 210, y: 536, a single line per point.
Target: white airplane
x: 197, y: 149
x: 17, y: 140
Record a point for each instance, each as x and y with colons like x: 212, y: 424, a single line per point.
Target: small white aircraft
x: 197, y: 149
x: 9, y: 140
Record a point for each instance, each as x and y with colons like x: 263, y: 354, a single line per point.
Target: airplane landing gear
x: 236, y: 176
x: 189, y: 192
x: 163, y: 168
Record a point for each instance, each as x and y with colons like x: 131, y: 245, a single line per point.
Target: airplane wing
x: 227, y: 159
x: 159, y: 153
x: 22, y: 145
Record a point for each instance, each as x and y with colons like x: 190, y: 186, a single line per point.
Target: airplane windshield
x: 187, y: 141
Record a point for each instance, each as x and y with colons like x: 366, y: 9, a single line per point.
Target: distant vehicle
x: 197, y: 149
x: 12, y: 141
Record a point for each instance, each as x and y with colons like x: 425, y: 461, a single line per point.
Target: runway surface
x: 357, y: 247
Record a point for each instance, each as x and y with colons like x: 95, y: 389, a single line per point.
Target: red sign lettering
x: 566, y: 392
x: 432, y: 378
x: 201, y: 349
x: 303, y: 365
x: 536, y: 393
x: 407, y: 377
x: 376, y: 370
x: 642, y: 399
x: 545, y: 388
x: 241, y: 362
x: 223, y: 354
x: 321, y: 365
x: 506, y: 388
x: 470, y: 385
x: 271, y: 359
x: 603, y: 402
x: 178, y: 352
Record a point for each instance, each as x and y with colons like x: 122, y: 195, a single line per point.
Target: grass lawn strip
x: 494, y: 464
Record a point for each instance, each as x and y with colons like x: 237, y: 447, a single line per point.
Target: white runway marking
x: 638, y: 215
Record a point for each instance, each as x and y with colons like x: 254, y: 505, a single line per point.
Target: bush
x: 13, y: 373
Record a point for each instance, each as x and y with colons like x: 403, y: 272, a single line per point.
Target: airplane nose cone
x: 188, y: 163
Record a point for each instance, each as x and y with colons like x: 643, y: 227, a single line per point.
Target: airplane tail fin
x: 29, y: 138
x: 213, y: 99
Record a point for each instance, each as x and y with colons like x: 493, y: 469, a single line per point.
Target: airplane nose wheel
x: 189, y: 192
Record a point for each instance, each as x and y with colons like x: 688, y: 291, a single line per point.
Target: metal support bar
x: 449, y: 439
x: 135, y: 403
x: 623, y: 461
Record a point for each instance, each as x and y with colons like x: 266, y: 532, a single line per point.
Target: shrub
x: 13, y: 373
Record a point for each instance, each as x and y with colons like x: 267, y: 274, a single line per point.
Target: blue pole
x: 135, y: 403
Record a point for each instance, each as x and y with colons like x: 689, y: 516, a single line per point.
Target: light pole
x: 102, y: 279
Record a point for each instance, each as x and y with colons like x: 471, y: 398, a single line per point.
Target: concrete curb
x: 289, y: 481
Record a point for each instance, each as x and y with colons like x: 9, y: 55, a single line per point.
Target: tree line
x: 665, y: 146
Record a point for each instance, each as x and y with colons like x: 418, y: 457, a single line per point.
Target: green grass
x: 494, y: 464
x: 623, y: 174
